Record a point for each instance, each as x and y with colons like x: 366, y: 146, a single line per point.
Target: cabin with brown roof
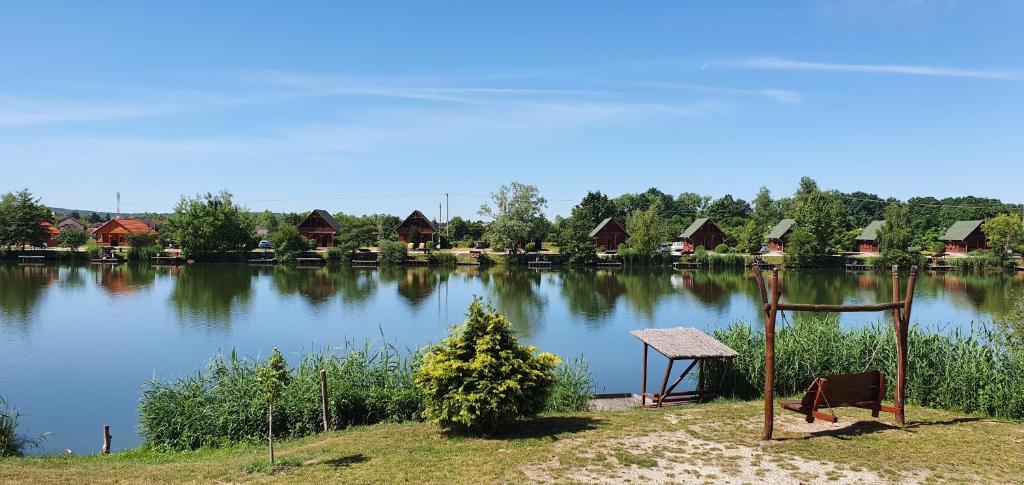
x: 71, y: 223
x: 703, y: 232
x: 867, y: 241
x: 115, y: 231
x: 50, y: 238
x: 609, y: 234
x: 418, y: 220
x: 321, y: 227
x: 778, y: 237
x: 964, y: 236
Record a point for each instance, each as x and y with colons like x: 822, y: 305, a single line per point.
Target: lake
x: 78, y: 342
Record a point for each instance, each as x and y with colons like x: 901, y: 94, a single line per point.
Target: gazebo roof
x: 684, y: 343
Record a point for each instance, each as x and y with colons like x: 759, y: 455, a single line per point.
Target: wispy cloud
x: 916, y: 70
x: 15, y: 111
x: 780, y: 95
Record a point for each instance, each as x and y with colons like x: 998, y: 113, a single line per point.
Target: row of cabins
x: 702, y: 232
x: 321, y: 227
x: 962, y: 237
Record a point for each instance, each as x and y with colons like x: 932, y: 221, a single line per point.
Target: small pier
x: 539, y: 264
x: 166, y: 260
x: 609, y: 264
x: 416, y: 262
x: 314, y: 261
x: 858, y: 265
x: 110, y: 260
x: 31, y: 259
x: 262, y: 261
x: 941, y: 267
x: 686, y: 265
x: 364, y: 263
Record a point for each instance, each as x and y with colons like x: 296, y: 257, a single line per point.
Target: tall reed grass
x: 964, y: 371
x: 222, y: 404
x: 12, y: 443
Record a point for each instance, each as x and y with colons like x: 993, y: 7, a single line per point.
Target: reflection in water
x: 72, y: 278
x: 514, y: 293
x: 714, y: 289
x: 415, y: 285
x: 21, y: 286
x: 212, y: 292
x: 124, y: 279
x: 314, y: 284
x: 592, y: 294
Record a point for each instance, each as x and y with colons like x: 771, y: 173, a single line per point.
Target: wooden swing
x: 863, y: 390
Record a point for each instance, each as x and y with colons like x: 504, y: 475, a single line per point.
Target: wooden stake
x: 643, y: 377
x: 106, y: 439
x: 270, y: 431
x: 769, y: 358
x: 323, y: 398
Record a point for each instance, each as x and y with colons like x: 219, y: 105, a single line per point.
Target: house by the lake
x: 419, y: 221
x: 71, y: 223
x: 964, y: 237
x: 50, y: 238
x: 115, y: 231
x: 609, y: 234
x: 779, y: 235
x: 321, y: 227
x: 867, y: 241
x: 703, y: 232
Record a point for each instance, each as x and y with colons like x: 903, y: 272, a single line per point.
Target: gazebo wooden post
x: 769, y: 358
x: 902, y: 331
x: 643, y: 376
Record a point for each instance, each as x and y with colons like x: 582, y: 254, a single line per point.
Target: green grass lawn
x: 685, y: 443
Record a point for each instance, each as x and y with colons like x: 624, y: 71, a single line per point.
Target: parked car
x: 677, y: 247
x: 264, y: 244
x: 664, y: 248
x: 479, y: 245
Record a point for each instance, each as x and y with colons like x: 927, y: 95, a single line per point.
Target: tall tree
x: 1004, y: 232
x: 211, y: 223
x: 765, y: 213
x: 729, y: 212
x: 896, y: 237
x: 594, y: 208
x: 820, y: 224
x: 20, y: 214
x: 647, y: 231
x: 513, y: 211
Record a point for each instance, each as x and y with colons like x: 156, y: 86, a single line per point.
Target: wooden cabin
x: 609, y: 234
x: 867, y: 241
x: 964, y: 237
x: 418, y: 220
x: 321, y: 227
x: 114, y: 231
x: 703, y: 232
x: 71, y: 223
x: 50, y: 238
x: 779, y: 235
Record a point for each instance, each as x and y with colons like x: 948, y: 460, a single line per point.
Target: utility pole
x: 117, y: 215
x: 447, y: 218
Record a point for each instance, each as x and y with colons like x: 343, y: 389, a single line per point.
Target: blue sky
x: 383, y: 106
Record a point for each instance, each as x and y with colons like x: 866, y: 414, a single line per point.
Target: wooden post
x: 323, y: 398
x: 901, y: 349
x: 664, y: 382
x: 643, y: 377
x: 897, y: 321
x: 106, y: 439
x: 769, y: 358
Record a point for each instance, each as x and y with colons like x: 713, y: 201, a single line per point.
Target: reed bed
x: 12, y: 443
x: 222, y: 404
x: 963, y: 371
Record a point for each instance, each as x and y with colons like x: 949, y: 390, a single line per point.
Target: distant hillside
x: 85, y: 214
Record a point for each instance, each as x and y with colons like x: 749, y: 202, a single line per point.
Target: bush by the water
x: 977, y: 261
x: 11, y: 443
x: 391, y: 253
x: 719, y: 260
x: 573, y: 389
x: 481, y: 379
x: 964, y: 372
x: 443, y: 258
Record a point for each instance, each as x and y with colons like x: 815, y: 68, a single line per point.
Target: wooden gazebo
x: 856, y: 390
x: 681, y: 343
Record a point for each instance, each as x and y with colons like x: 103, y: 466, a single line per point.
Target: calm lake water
x: 78, y: 342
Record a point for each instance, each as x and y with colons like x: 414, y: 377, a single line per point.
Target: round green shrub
x: 430, y: 246
x: 937, y: 247
x: 480, y: 379
x: 531, y: 247
x: 391, y: 253
x: 723, y: 249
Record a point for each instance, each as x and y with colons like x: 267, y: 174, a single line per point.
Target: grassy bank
x: 688, y: 443
x: 959, y: 372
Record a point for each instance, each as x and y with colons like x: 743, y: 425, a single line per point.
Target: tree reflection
x: 590, y: 293
x: 415, y: 285
x: 314, y: 284
x: 21, y: 286
x: 514, y: 293
x: 212, y: 292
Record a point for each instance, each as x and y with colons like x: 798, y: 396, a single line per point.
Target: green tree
x: 357, y: 232
x: 94, y: 218
x: 414, y: 236
x: 391, y: 253
x: 288, y: 243
x: 481, y: 379
x: 574, y: 241
x: 646, y: 231
x: 141, y: 239
x: 210, y: 224
x: 268, y: 220
x: 272, y: 377
x: 765, y: 213
x: 729, y: 212
x: 820, y: 225
x: 72, y: 238
x: 896, y: 236
x: 459, y: 228
x: 20, y: 214
x: 1003, y: 232
x: 514, y: 210
x: 594, y: 208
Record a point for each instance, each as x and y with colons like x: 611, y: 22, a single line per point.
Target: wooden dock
x: 106, y: 261
x: 941, y: 267
x: 609, y: 264
x: 860, y: 267
x: 416, y: 262
x: 166, y: 260
x: 364, y: 263
x: 315, y: 261
x: 686, y: 265
x: 261, y: 261
x: 538, y: 264
x: 31, y: 259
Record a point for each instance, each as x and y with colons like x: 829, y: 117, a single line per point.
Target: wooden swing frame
x: 901, y: 321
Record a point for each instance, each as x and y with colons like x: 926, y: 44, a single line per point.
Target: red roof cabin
x: 964, y: 236
x: 418, y: 220
x: 779, y: 235
x: 703, y: 232
x: 867, y: 241
x: 321, y: 227
x: 115, y: 231
x: 609, y: 234
x: 50, y: 238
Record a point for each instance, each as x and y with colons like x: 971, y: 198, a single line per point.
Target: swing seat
x: 864, y: 390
